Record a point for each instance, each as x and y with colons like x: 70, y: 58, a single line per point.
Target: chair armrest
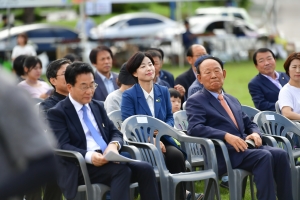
x: 133, y: 151
x: 288, y: 146
x: 269, y: 140
x: 82, y: 164
x: 224, y: 149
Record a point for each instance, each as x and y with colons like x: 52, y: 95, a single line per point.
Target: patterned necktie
x: 227, y: 108
x: 95, y: 134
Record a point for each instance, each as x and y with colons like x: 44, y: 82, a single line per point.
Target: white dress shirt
x: 150, y: 100
x: 91, y: 144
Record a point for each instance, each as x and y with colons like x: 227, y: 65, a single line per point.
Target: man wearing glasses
x: 81, y: 124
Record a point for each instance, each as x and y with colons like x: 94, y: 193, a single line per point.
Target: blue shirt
x: 109, y: 85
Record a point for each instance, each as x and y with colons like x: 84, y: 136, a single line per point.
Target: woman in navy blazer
x: 140, y: 66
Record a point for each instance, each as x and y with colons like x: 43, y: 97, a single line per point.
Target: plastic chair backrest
x: 277, y: 108
x: 116, y: 117
x: 273, y: 123
x: 180, y: 120
x: 250, y: 111
x: 184, y: 105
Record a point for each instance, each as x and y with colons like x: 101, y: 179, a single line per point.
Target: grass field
x: 238, y: 76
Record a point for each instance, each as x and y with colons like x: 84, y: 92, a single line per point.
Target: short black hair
x: 54, y: 66
x: 206, y: 57
x: 159, y: 50
x: 174, y: 93
x: 18, y: 65
x: 262, y: 50
x: 72, y: 57
x: 189, y: 52
x: 31, y: 61
x: 75, y: 69
x: 154, y: 53
x: 135, y: 61
x: 95, y: 51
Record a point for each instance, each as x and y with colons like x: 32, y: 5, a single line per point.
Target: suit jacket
x: 134, y: 103
x: 186, y: 79
x: 101, y: 92
x: 167, y: 76
x: 207, y: 118
x: 66, y: 125
x: 264, y: 93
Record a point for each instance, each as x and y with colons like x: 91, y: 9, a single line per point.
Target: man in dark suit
x: 81, y: 124
x: 102, y: 59
x: 213, y: 114
x: 264, y: 87
x: 188, y: 77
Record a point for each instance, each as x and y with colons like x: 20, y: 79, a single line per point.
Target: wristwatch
x: 117, y: 144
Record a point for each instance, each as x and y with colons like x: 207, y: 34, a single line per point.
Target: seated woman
x: 146, y: 98
x: 33, y: 71
x: 289, y: 95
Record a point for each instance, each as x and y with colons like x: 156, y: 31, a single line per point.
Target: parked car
x: 44, y: 37
x: 135, y: 25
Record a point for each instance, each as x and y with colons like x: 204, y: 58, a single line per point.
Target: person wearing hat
x: 214, y: 114
x: 125, y: 81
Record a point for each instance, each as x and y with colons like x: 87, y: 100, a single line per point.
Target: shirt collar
x: 269, y: 77
x: 77, y: 105
x: 146, y: 94
x: 104, y: 77
x: 59, y: 96
x: 215, y: 94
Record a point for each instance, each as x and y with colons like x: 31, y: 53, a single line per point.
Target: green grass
x: 238, y: 75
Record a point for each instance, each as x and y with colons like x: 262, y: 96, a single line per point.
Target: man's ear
x: 53, y: 81
x: 69, y: 87
x: 199, y: 78
x: 190, y: 60
x: 224, y: 73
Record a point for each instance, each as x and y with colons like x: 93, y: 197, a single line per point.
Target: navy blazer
x: 167, y: 76
x: 186, y: 80
x: 101, y: 92
x: 264, y: 93
x: 66, y: 125
x: 134, y: 103
x: 207, y: 118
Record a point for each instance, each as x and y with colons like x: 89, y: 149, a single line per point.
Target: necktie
x: 95, y: 134
x: 227, y: 108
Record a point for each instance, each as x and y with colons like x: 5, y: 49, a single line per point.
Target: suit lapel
x: 282, y: 79
x: 267, y: 83
x: 73, y: 116
x: 97, y: 114
x: 141, y: 99
x: 101, y: 87
x: 157, y: 100
x: 114, y: 81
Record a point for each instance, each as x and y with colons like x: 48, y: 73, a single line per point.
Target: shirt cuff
x: 118, y: 144
x: 88, y: 157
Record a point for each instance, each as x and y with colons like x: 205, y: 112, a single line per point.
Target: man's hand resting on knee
x: 256, y: 138
x: 238, y: 143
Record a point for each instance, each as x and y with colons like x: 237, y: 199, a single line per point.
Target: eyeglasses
x: 60, y: 74
x: 85, y: 88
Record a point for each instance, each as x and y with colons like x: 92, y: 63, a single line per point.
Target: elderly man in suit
x: 188, y: 77
x: 264, y: 87
x: 102, y: 59
x: 213, y: 114
x: 81, y: 124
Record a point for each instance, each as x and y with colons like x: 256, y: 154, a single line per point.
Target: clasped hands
x: 239, y: 144
x: 98, y: 158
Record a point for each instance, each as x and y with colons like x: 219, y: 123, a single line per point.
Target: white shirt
x: 274, y: 81
x: 289, y: 96
x: 23, y: 50
x: 109, y: 85
x: 150, y: 100
x: 91, y: 144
